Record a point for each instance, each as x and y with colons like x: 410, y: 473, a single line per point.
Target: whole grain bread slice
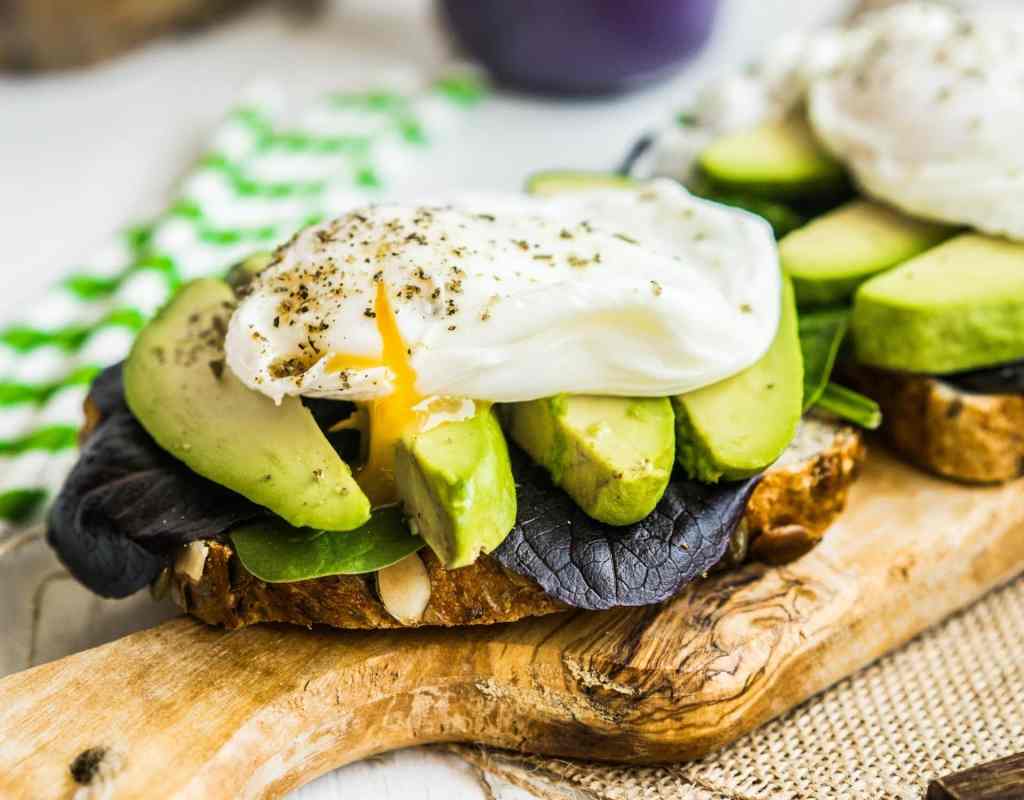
x: 976, y: 438
x: 792, y: 506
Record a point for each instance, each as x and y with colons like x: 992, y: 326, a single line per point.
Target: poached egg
x: 927, y: 111
x: 418, y: 311
x: 921, y: 101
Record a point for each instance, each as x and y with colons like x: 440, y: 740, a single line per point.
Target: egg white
x: 504, y: 298
x: 927, y: 110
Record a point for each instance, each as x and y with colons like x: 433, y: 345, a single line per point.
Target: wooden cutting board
x: 184, y: 710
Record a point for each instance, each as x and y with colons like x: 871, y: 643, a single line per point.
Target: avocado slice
x: 956, y: 307
x: 552, y: 182
x: 778, y: 160
x: 736, y: 427
x: 179, y: 388
x: 240, y: 275
x: 455, y: 482
x: 829, y: 258
x: 612, y: 455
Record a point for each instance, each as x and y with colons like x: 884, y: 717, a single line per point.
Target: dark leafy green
x: 850, y: 405
x: 821, y: 336
x: 781, y: 217
x: 127, y: 504
x: 327, y: 413
x: 588, y: 564
x: 276, y: 552
x: 240, y: 276
x: 1004, y: 379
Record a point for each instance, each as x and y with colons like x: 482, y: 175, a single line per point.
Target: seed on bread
x: 190, y: 560
x: 404, y: 589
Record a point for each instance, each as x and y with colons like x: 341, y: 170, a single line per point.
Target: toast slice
x: 975, y: 438
x: 795, y: 502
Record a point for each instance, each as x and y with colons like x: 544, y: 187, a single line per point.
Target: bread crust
x: 787, y: 515
x: 975, y: 438
x: 481, y: 594
x: 795, y: 503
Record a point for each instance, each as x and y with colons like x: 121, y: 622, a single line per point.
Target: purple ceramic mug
x: 580, y: 46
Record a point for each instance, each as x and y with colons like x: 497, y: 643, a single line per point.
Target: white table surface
x: 83, y: 153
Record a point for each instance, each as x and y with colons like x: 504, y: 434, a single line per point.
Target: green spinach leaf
x: 850, y: 405
x: 276, y: 552
x: 781, y: 217
x: 821, y: 335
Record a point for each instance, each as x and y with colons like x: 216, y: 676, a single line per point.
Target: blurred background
x: 104, y: 104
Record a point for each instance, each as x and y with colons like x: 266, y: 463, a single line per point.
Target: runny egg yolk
x: 391, y: 415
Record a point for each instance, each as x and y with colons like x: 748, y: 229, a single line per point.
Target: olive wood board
x: 185, y: 710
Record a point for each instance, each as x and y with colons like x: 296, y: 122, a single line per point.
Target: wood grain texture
x: 199, y: 712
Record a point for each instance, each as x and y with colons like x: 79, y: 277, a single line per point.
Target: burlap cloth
x: 951, y: 699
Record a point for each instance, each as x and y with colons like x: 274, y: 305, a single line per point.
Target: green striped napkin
x: 269, y: 171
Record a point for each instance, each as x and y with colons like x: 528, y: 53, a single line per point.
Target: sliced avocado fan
x: 179, y: 388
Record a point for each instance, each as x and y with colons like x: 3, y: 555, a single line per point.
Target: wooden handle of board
x: 184, y: 710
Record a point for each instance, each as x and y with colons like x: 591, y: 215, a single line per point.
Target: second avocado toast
x: 883, y: 154
x: 935, y: 328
